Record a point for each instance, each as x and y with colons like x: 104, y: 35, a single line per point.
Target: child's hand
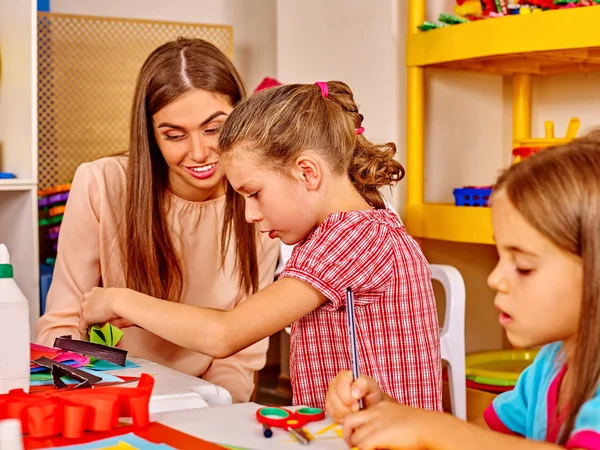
x: 389, y: 425
x: 343, y: 395
x: 97, y: 307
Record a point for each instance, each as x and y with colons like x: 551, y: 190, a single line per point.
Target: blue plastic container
x: 472, y: 196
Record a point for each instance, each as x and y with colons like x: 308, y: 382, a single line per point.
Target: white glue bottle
x: 14, y: 330
x: 11, y: 437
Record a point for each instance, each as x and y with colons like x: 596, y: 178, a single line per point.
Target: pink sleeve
x: 236, y: 373
x: 77, y: 267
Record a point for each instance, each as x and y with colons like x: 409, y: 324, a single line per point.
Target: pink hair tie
x: 324, y: 89
x: 360, y: 130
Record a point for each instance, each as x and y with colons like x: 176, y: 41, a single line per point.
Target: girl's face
x: 538, y: 285
x: 186, y: 131
x: 279, y: 205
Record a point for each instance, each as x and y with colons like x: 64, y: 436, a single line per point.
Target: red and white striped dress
x: 396, y: 317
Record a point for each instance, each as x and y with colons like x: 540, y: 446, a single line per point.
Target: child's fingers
x: 336, y: 409
x: 353, y: 423
x: 342, y: 388
x: 367, y: 437
x: 364, y: 386
x: 358, y: 419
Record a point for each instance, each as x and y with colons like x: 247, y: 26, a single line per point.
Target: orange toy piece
x: 54, y: 190
x: 468, y: 8
x: 526, y: 147
x: 71, y: 412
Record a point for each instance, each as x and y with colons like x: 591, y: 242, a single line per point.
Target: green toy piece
x: 451, y: 20
x: 431, y: 26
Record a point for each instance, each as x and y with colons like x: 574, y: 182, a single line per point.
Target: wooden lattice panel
x: 87, y: 68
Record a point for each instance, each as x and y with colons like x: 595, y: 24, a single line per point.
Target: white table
x: 173, y: 390
x: 236, y: 425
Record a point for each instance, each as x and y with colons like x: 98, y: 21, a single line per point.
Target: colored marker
x: 267, y: 432
x: 352, y: 337
x: 300, y: 435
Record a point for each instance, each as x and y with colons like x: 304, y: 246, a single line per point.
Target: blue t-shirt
x: 529, y: 410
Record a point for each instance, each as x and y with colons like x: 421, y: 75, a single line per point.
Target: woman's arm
x: 215, y: 333
x: 77, y: 267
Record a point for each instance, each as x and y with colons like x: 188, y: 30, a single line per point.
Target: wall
x: 18, y: 93
x: 358, y: 42
x: 254, y: 30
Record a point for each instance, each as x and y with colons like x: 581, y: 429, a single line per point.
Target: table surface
x: 235, y: 425
x: 173, y: 390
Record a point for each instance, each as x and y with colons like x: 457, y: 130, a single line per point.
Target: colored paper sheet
x: 153, y: 432
x: 101, y: 365
x: 128, y: 441
x: 42, y: 381
x: 61, y: 356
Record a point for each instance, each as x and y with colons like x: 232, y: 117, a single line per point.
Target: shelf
x: 450, y: 223
x: 17, y: 184
x: 544, y: 43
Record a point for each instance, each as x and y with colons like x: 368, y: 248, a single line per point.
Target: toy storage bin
x: 472, y: 196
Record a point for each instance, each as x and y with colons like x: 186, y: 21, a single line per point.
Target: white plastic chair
x: 452, y: 335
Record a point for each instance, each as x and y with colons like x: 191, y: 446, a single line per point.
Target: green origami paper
x: 106, y: 335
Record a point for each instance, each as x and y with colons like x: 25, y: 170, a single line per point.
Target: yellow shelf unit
x: 450, y: 223
x: 550, y: 42
x: 545, y: 43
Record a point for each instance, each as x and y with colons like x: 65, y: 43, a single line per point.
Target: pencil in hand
x: 352, y: 338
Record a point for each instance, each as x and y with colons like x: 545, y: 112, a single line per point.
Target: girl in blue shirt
x: 546, y: 220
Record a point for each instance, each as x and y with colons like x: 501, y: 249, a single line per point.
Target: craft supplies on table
x: 72, y: 412
x: 56, y: 413
x: 40, y: 375
x: 236, y: 426
x: 155, y: 436
x: 292, y: 421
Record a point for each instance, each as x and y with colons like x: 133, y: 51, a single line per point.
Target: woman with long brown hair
x: 154, y: 220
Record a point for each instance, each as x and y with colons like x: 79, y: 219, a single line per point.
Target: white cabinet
x: 18, y: 144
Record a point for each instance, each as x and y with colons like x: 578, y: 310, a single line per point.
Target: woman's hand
x: 98, y: 307
x: 343, y: 395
